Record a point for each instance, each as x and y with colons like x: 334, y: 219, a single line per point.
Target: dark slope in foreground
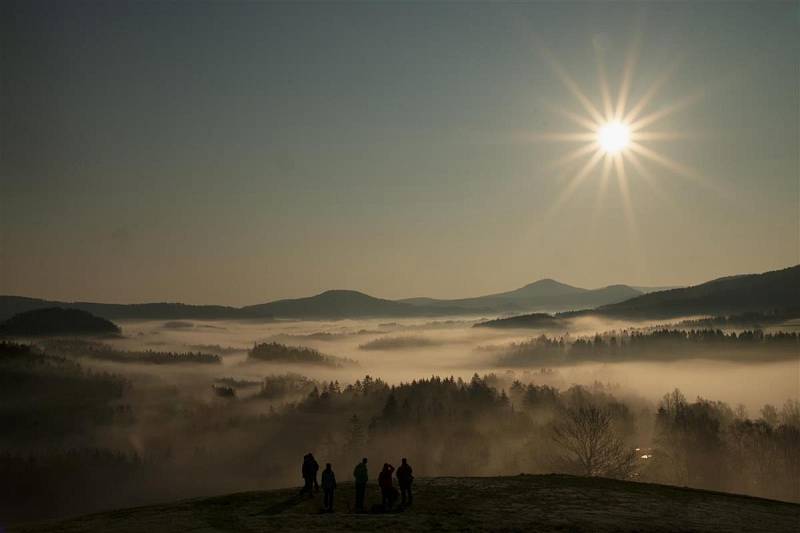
x: 520, y: 503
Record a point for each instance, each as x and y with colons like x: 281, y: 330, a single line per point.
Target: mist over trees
x: 104, y: 352
x: 82, y: 415
x: 398, y: 343
x: 589, y: 443
x: 153, y: 442
x: 273, y: 352
x: 51, y: 399
x: 658, y: 345
x: 707, y: 444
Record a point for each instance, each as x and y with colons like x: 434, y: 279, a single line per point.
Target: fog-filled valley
x: 181, y: 408
x: 535, y: 263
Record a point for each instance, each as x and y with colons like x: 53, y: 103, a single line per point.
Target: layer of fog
x: 168, y: 433
x: 405, y: 349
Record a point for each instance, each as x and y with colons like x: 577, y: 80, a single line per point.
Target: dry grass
x: 529, y: 503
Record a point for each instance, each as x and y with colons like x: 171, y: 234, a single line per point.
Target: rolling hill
x: 531, y: 320
x: 11, y: 305
x: 346, y: 304
x: 737, y: 294
x: 57, y: 321
x: 333, y: 304
x: 770, y: 291
x: 775, y: 293
x: 545, y: 294
x: 337, y: 304
x: 519, y: 503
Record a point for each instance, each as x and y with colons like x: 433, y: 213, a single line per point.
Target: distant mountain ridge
x: 334, y: 304
x: 730, y: 295
x: 344, y: 304
x: 545, y: 294
x: 647, y: 289
x: 777, y: 291
x: 11, y: 305
x: 768, y: 291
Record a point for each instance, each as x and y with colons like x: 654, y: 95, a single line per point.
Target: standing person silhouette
x: 309, y: 473
x: 404, y: 479
x: 385, y: 483
x: 360, y: 475
x: 328, y: 486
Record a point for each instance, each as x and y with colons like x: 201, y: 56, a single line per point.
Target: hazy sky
x: 236, y: 153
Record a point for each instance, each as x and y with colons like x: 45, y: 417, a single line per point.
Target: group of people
x: 389, y: 494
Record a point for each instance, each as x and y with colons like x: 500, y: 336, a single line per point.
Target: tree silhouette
x: 590, y: 445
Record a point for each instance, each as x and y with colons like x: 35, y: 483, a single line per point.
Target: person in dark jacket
x: 309, y: 472
x: 404, y: 479
x: 328, y: 486
x: 360, y: 475
x: 388, y: 492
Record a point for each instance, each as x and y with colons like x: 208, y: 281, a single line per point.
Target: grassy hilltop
x: 530, y: 503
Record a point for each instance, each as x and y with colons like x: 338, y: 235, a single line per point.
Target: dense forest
x: 48, y: 399
x: 273, y: 352
x: 751, y: 320
x: 395, y: 343
x: 658, y: 345
x: 104, y: 352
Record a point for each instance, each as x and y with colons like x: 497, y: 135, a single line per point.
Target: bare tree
x: 589, y: 444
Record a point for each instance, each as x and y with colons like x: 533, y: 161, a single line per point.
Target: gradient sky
x: 237, y: 153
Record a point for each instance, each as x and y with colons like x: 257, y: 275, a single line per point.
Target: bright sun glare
x: 617, y: 135
x: 613, y: 137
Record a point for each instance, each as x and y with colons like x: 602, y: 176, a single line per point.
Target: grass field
x: 530, y: 503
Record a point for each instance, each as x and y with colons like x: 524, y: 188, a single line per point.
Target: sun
x: 616, y: 136
x: 613, y: 137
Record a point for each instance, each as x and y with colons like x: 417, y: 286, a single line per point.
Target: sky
x: 236, y: 153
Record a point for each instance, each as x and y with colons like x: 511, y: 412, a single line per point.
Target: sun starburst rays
x: 631, y: 58
x: 616, y: 136
x: 601, y: 195
x: 573, y: 87
x: 605, y: 91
